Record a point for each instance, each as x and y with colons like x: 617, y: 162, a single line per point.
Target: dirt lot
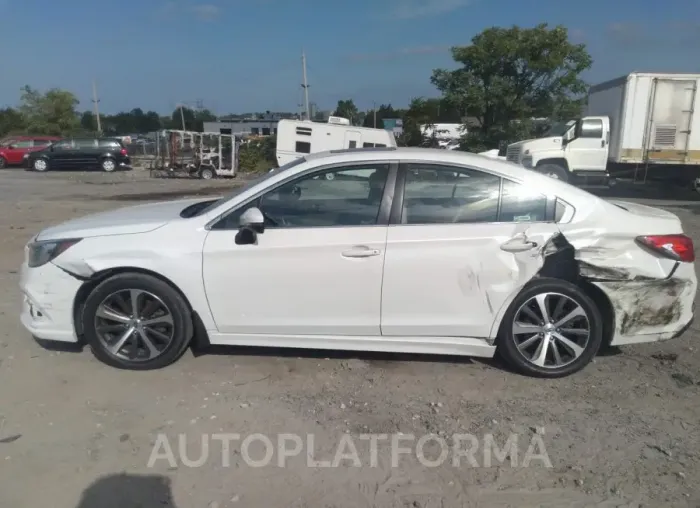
x: 625, y: 432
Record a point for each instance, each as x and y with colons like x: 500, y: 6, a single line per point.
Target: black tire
x: 182, y: 327
x: 507, y: 343
x: 108, y: 165
x: 554, y: 171
x: 3, y: 163
x: 40, y: 165
x: 207, y: 174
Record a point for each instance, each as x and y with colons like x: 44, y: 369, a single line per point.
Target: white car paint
x: 420, y: 289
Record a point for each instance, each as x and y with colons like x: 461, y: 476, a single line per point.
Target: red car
x: 14, y: 148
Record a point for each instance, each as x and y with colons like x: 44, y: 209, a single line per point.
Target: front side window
x: 42, y: 142
x: 591, y: 128
x: 348, y: 196
x: 22, y: 144
x: 448, y: 195
x: 63, y: 145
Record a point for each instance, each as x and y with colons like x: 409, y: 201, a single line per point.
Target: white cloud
x: 411, y: 9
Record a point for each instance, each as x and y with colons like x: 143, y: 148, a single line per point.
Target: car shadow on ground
x: 128, y: 491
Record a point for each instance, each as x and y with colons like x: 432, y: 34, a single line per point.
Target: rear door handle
x: 520, y: 246
x: 360, y: 251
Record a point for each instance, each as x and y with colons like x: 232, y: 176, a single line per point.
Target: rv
x: 296, y: 138
x: 637, y: 125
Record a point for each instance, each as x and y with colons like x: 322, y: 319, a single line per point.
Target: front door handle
x: 602, y: 144
x: 360, y: 251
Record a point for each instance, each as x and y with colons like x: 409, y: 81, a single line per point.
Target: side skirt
x: 462, y: 346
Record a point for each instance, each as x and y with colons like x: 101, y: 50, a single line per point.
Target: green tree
x: 194, y: 120
x: 420, y: 112
x: 87, y: 121
x: 11, y: 122
x: 508, y: 76
x: 347, y: 109
x: 50, y: 113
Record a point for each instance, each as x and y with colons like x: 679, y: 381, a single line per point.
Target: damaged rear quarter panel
x: 651, y: 296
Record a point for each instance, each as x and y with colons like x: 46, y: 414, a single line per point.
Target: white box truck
x: 296, y: 138
x: 636, y: 125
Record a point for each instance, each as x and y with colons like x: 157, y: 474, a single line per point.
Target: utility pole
x: 182, y: 117
x: 95, y: 100
x: 374, y: 107
x: 305, y: 86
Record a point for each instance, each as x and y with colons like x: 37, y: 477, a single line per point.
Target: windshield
x: 559, y: 129
x: 249, y: 184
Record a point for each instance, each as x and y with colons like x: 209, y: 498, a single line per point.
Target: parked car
x: 107, y: 154
x: 13, y: 149
x: 490, y: 258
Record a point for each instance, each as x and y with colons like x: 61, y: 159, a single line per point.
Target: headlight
x: 527, y: 152
x: 41, y: 253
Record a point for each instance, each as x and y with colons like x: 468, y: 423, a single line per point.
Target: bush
x: 257, y: 155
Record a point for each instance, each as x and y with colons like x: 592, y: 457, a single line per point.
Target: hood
x: 123, y: 221
x: 553, y: 143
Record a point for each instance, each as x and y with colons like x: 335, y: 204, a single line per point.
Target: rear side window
x: 519, y: 203
x: 42, y: 142
x: 109, y: 143
x: 85, y: 143
x: 22, y: 144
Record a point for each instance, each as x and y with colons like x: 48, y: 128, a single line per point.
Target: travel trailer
x: 638, y: 125
x: 296, y: 138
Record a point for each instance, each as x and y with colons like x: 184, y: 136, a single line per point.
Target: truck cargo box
x: 651, y: 117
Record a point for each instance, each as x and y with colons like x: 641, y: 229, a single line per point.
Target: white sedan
x: 402, y: 250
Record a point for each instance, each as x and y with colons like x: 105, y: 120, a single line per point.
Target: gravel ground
x: 624, y: 432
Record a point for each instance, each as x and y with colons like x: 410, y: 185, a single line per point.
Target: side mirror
x: 246, y: 236
x: 254, y: 219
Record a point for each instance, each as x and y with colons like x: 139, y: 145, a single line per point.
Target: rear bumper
x: 650, y: 311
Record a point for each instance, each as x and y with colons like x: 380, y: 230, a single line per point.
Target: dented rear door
x: 451, y: 279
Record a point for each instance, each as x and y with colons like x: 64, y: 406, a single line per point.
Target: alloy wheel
x: 40, y: 165
x: 108, y: 165
x: 551, y: 330
x: 134, y: 325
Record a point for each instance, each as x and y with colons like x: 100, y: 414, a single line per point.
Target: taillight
x: 678, y: 247
x: 123, y: 151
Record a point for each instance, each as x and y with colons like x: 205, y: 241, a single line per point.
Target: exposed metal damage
x: 642, y: 303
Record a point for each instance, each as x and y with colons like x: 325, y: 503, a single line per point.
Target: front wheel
x: 40, y: 165
x: 3, y: 163
x: 137, y: 322
x: 554, y: 171
x: 552, y: 329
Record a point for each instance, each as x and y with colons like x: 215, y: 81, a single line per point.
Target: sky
x: 245, y: 55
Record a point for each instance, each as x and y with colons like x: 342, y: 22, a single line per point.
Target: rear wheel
x: 206, y: 174
x: 554, y: 171
x: 136, y: 321
x: 108, y: 165
x: 3, y: 163
x: 552, y: 329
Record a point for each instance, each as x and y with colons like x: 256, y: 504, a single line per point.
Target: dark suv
x: 107, y: 154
